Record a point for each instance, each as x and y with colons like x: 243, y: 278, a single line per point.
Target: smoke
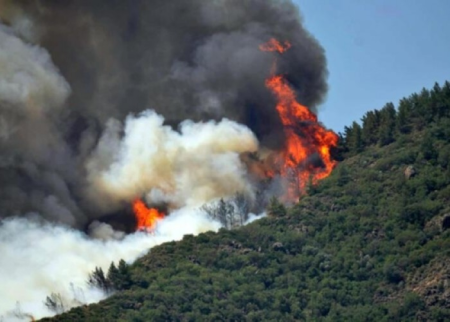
x: 102, y: 102
x: 36, y: 166
x: 61, y: 258
x: 186, y: 168
x: 196, y: 60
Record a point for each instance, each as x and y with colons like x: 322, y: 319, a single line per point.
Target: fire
x: 275, y: 45
x: 146, y: 217
x: 306, y: 138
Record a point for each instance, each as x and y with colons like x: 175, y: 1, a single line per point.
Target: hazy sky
x: 378, y: 51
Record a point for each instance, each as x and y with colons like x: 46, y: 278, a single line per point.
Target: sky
x: 378, y: 51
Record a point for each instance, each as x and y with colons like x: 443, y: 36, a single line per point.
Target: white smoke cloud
x: 39, y: 259
x: 186, y: 168
x: 254, y: 217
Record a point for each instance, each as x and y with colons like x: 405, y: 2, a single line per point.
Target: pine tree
x: 354, y: 138
x: 423, y: 108
x: 99, y: 280
x: 387, y: 124
x: 435, y: 101
x: 445, y: 99
x: 440, y: 100
x: 341, y: 149
x: 427, y: 148
x: 113, y: 275
x: 370, y: 127
x: 276, y: 208
x: 403, y: 116
x: 125, y: 281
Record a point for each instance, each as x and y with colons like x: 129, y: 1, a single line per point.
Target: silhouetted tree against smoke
x: 98, y: 279
x: 242, y: 207
x: 230, y: 213
x: 223, y: 212
x: 118, y: 278
x: 55, y: 303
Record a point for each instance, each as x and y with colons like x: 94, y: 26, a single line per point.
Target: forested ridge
x: 369, y: 243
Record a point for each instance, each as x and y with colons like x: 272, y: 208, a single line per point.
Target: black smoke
x: 196, y: 59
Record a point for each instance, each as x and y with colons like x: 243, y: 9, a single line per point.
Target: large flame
x: 307, y: 148
x: 146, y: 217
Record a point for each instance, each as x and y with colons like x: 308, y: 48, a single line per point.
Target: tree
x: 343, y: 176
x: 435, y: 101
x: 341, y: 149
x: 403, y: 116
x: 427, y: 147
x: 423, y: 108
x: 242, y: 207
x: 113, y: 276
x: 222, y: 211
x: 392, y: 273
x: 124, y: 281
x: 276, y: 208
x: 55, y: 303
x: 387, y: 124
x: 98, y: 279
x: 370, y: 127
x: 354, y: 138
x: 444, y: 109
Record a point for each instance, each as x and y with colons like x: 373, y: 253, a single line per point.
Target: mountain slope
x: 369, y: 243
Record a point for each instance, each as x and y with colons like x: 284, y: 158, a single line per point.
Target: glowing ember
x: 146, y: 217
x: 306, y: 155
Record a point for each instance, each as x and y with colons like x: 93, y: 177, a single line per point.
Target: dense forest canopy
x: 369, y: 243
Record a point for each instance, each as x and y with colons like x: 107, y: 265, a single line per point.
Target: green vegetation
x: 369, y: 243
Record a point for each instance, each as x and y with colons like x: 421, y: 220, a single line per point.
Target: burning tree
x: 306, y: 153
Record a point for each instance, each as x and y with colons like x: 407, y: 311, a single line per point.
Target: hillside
x: 369, y: 243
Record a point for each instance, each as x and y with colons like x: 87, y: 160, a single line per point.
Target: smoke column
x: 103, y: 60
x: 102, y: 102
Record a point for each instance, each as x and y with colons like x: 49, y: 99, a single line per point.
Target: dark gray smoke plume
x: 72, y: 65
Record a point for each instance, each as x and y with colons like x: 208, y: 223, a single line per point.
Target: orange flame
x: 275, y: 45
x: 146, y: 217
x: 305, y: 137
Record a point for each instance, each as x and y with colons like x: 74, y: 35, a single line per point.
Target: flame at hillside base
x: 305, y: 138
x: 146, y: 218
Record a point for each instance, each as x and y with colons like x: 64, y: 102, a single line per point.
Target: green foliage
x: 360, y: 247
x: 370, y: 127
x: 388, y: 125
x: 276, y: 208
x: 119, y: 278
x: 353, y: 138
